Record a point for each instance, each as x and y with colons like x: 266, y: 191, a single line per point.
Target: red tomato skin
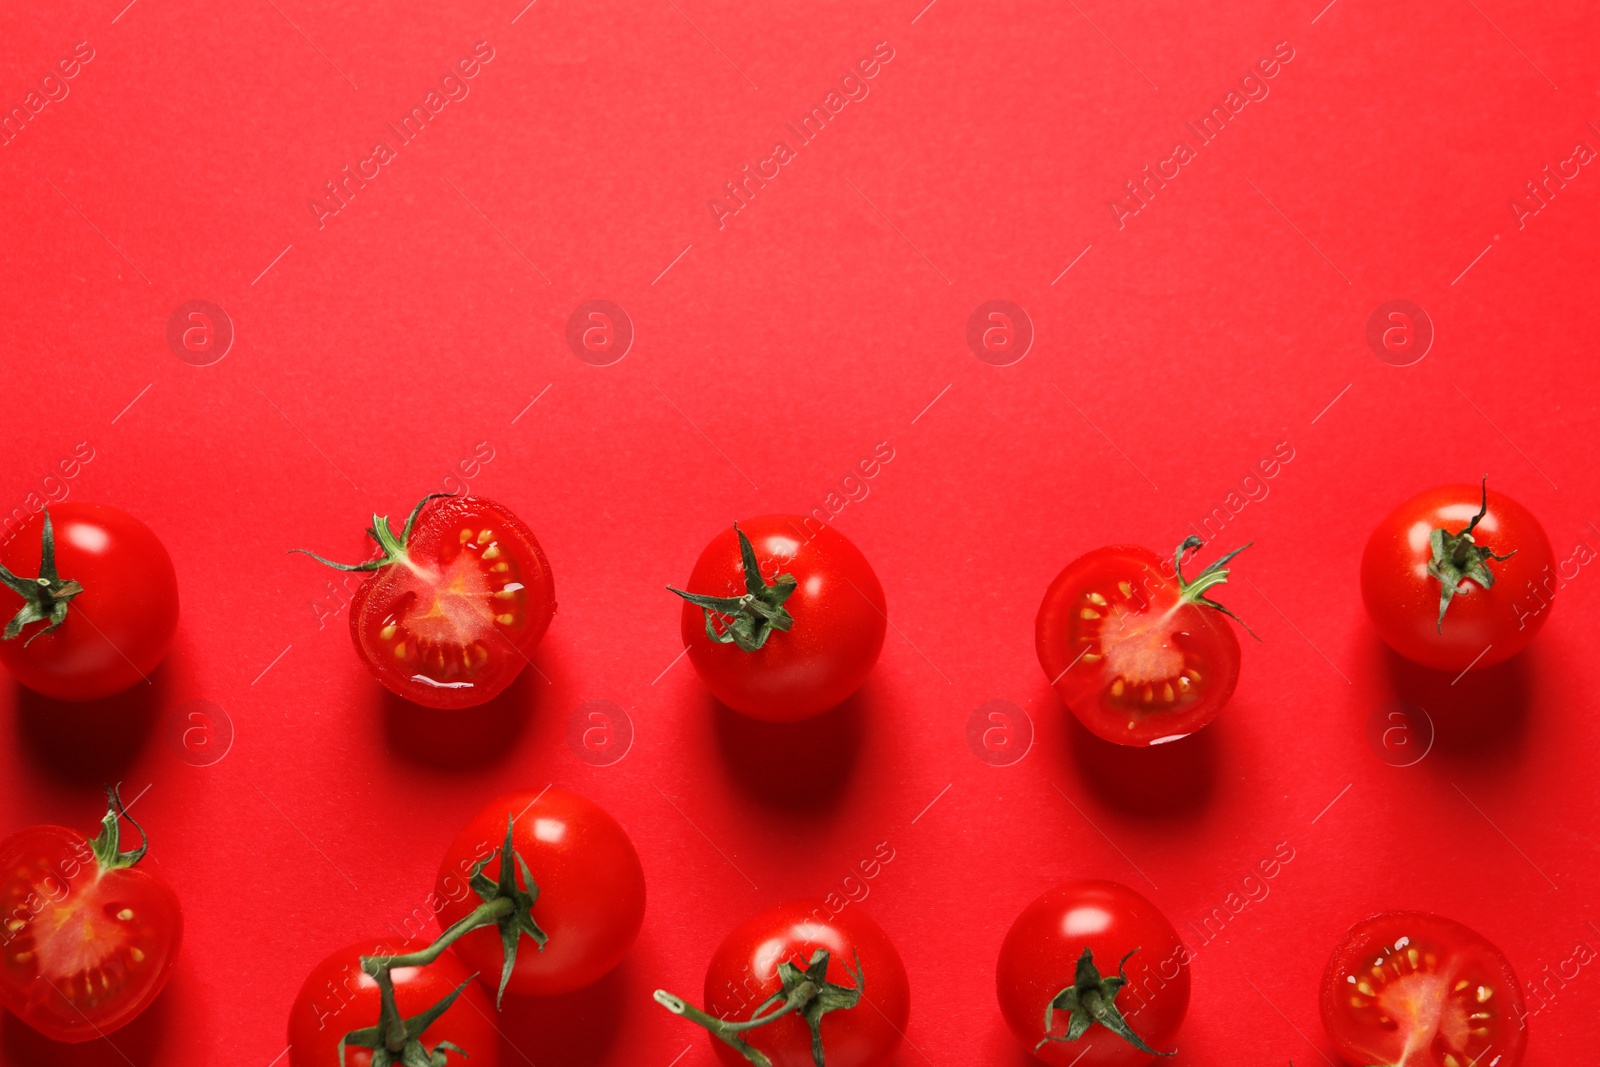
x: 1039, y: 958
x: 48, y: 876
x: 118, y: 629
x: 744, y: 971
x: 1402, y: 599
x: 338, y: 997
x: 1204, y: 636
x: 591, y: 890
x: 840, y: 617
x: 1466, y: 954
x: 434, y: 542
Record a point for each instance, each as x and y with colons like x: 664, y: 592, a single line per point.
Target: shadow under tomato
x: 1482, y: 713
x: 1174, y: 778
x: 793, y: 765
x: 463, y: 738
x: 93, y: 742
x: 575, y: 1029
x: 142, y: 1043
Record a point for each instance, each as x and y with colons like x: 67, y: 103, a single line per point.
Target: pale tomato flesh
x: 1136, y: 664
x: 1410, y: 989
x: 81, y: 952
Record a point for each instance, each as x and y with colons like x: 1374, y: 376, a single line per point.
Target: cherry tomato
x: 1141, y: 656
x: 800, y: 952
x: 782, y: 622
x: 338, y: 997
x: 456, y: 604
x: 1456, y: 577
x: 87, y: 940
x: 1416, y: 990
x: 1062, y: 959
x: 590, y: 898
x: 99, y: 602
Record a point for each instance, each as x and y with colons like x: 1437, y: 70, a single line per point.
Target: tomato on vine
x: 785, y: 988
x: 784, y: 623
x: 1140, y: 654
x: 99, y: 602
x: 1410, y: 989
x: 582, y: 889
x: 1057, y: 994
x: 456, y: 604
x: 87, y: 938
x: 340, y: 997
x: 1457, y: 576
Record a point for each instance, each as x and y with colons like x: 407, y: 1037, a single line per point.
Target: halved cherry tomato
x: 87, y: 940
x: 1139, y: 653
x: 1410, y: 989
x: 456, y: 604
x: 1458, y: 576
x: 781, y: 621
x: 338, y: 997
x: 587, y: 884
x: 1055, y: 975
x: 99, y: 602
x: 792, y: 960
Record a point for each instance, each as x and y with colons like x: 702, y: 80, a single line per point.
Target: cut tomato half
x: 1410, y: 989
x: 1140, y: 656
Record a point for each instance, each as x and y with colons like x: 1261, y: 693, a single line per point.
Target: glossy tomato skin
x: 1411, y: 979
x: 744, y: 972
x: 1136, y: 665
x: 591, y: 889
x: 1402, y: 598
x: 118, y: 629
x: 1039, y: 957
x: 338, y: 997
x: 81, y: 952
x: 840, y: 617
x: 457, y: 634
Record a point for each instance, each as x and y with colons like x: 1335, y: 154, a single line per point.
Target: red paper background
x: 770, y: 358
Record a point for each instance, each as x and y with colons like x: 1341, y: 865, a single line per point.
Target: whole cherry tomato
x: 581, y: 871
x: 1415, y: 990
x: 1141, y: 655
x: 1457, y: 577
x: 796, y: 974
x: 87, y: 940
x: 457, y: 602
x: 783, y: 622
x: 339, y: 998
x: 99, y: 602
x: 1054, y: 978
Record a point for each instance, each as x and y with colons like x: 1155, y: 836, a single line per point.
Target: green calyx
x: 45, y: 598
x: 748, y: 620
x: 1457, y: 557
x: 1092, y: 999
x: 394, y: 547
x: 396, y: 1040
x: 1193, y: 590
x: 107, y: 844
x: 805, y: 992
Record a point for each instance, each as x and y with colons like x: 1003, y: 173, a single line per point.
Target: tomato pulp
x: 338, y: 997
x: 794, y: 634
x: 1138, y: 653
x: 1410, y: 989
x: 456, y: 604
x: 87, y: 940
x: 1067, y: 948
x: 115, y: 631
x: 1427, y: 599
